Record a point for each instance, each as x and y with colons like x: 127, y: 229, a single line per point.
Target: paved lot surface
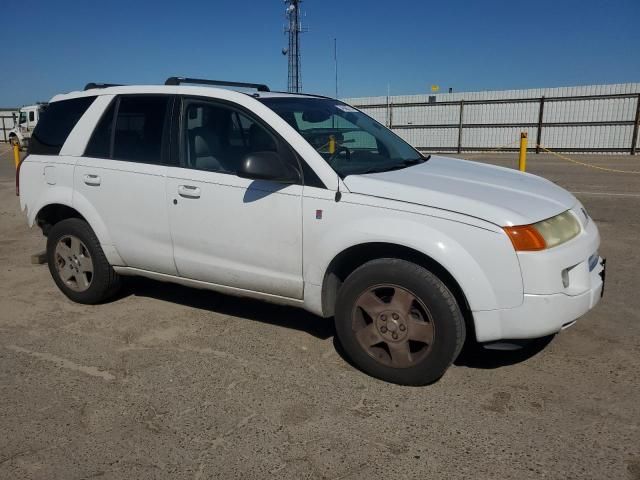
x: 167, y: 382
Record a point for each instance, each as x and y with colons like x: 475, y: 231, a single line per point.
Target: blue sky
x: 58, y: 46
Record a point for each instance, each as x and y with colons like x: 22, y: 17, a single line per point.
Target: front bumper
x: 540, y: 314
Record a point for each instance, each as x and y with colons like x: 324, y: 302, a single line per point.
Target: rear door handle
x: 189, y: 191
x: 93, y: 180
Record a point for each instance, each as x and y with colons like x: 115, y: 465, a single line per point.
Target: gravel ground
x: 167, y: 382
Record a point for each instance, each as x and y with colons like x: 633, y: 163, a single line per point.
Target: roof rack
x: 179, y: 80
x: 306, y: 94
x: 91, y: 85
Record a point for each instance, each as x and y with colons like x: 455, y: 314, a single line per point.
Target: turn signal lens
x: 525, y: 238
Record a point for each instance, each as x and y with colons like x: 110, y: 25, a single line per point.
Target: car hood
x: 499, y: 195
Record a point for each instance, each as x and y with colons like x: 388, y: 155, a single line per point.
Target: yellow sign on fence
x: 435, y: 88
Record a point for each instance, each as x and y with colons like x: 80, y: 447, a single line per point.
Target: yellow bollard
x: 332, y: 144
x: 522, y: 161
x: 16, y: 155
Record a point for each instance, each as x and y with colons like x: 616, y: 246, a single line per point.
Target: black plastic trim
x: 92, y: 85
x: 165, y: 150
x: 223, y: 83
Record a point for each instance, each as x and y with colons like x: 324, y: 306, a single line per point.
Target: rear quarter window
x: 55, y: 124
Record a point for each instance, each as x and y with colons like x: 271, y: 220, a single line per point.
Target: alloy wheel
x: 393, y: 326
x: 73, y: 263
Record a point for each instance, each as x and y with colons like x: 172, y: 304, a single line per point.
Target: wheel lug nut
x: 402, y: 328
x: 395, y: 316
x: 383, y: 318
x: 383, y: 329
x: 394, y: 335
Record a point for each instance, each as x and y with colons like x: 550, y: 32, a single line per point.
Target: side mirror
x: 267, y: 166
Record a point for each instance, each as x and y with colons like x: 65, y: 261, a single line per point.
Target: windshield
x: 23, y: 118
x: 350, y: 141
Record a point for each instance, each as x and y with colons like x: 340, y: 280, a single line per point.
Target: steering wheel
x: 339, y: 150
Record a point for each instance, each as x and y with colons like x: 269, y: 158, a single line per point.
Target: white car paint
x: 249, y: 233
x: 138, y: 221
x: 269, y: 241
x: 500, y: 195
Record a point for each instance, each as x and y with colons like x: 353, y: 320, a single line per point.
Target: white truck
x: 25, y: 124
x: 304, y: 200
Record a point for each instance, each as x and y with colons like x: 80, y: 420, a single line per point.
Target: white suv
x: 304, y: 200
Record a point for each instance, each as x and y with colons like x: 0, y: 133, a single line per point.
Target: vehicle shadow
x: 473, y: 355
x: 250, y: 309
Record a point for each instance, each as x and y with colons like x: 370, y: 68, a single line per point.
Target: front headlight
x: 548, y: 233
x: 558, y: 229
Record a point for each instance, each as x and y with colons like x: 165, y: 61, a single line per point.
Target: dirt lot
x: 167, y: 382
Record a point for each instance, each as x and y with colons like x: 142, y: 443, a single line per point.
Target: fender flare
x: 442, y: 248
x: 93, y: 218
x: 80, y: 204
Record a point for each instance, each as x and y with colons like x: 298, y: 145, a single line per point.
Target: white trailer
x: 26, y: 121
x: 8, y: 117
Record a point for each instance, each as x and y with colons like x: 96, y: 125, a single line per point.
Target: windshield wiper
x: 399, y: 166
x: 404, y: 164
x: 407, y: 163
x: 413, y: 161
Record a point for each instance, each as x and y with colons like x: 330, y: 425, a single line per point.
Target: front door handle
x: 93, y: 180
x: 189, y: 191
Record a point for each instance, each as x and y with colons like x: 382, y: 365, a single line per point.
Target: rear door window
x: 139, y: 132
x: 139, y: 128
x: 55, y: 124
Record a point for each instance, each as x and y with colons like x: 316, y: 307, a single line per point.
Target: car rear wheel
x: 398, y: 322
x: 78, y: 264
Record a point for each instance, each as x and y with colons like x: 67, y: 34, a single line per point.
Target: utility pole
x: 335, y: 61
x: 293, y: 29
x: 389, y: 105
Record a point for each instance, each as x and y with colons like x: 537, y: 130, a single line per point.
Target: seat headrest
x: 205, y: 142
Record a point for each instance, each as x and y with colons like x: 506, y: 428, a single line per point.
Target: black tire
x: 103, y: 282
x: 426, y: 362
x: 13, y: 140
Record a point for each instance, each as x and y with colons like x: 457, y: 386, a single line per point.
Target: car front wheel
x: 398, y: 322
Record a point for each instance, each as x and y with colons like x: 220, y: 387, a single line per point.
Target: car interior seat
x: 204, y: 149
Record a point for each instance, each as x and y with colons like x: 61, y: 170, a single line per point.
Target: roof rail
x: 179, y: 80
x: 91, y: 85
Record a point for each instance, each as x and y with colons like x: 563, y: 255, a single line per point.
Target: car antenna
x: 338, y: 192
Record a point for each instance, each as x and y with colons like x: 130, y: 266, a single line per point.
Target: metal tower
x: 293, y: 29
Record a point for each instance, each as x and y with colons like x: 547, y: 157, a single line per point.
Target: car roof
x: 172, y: 89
